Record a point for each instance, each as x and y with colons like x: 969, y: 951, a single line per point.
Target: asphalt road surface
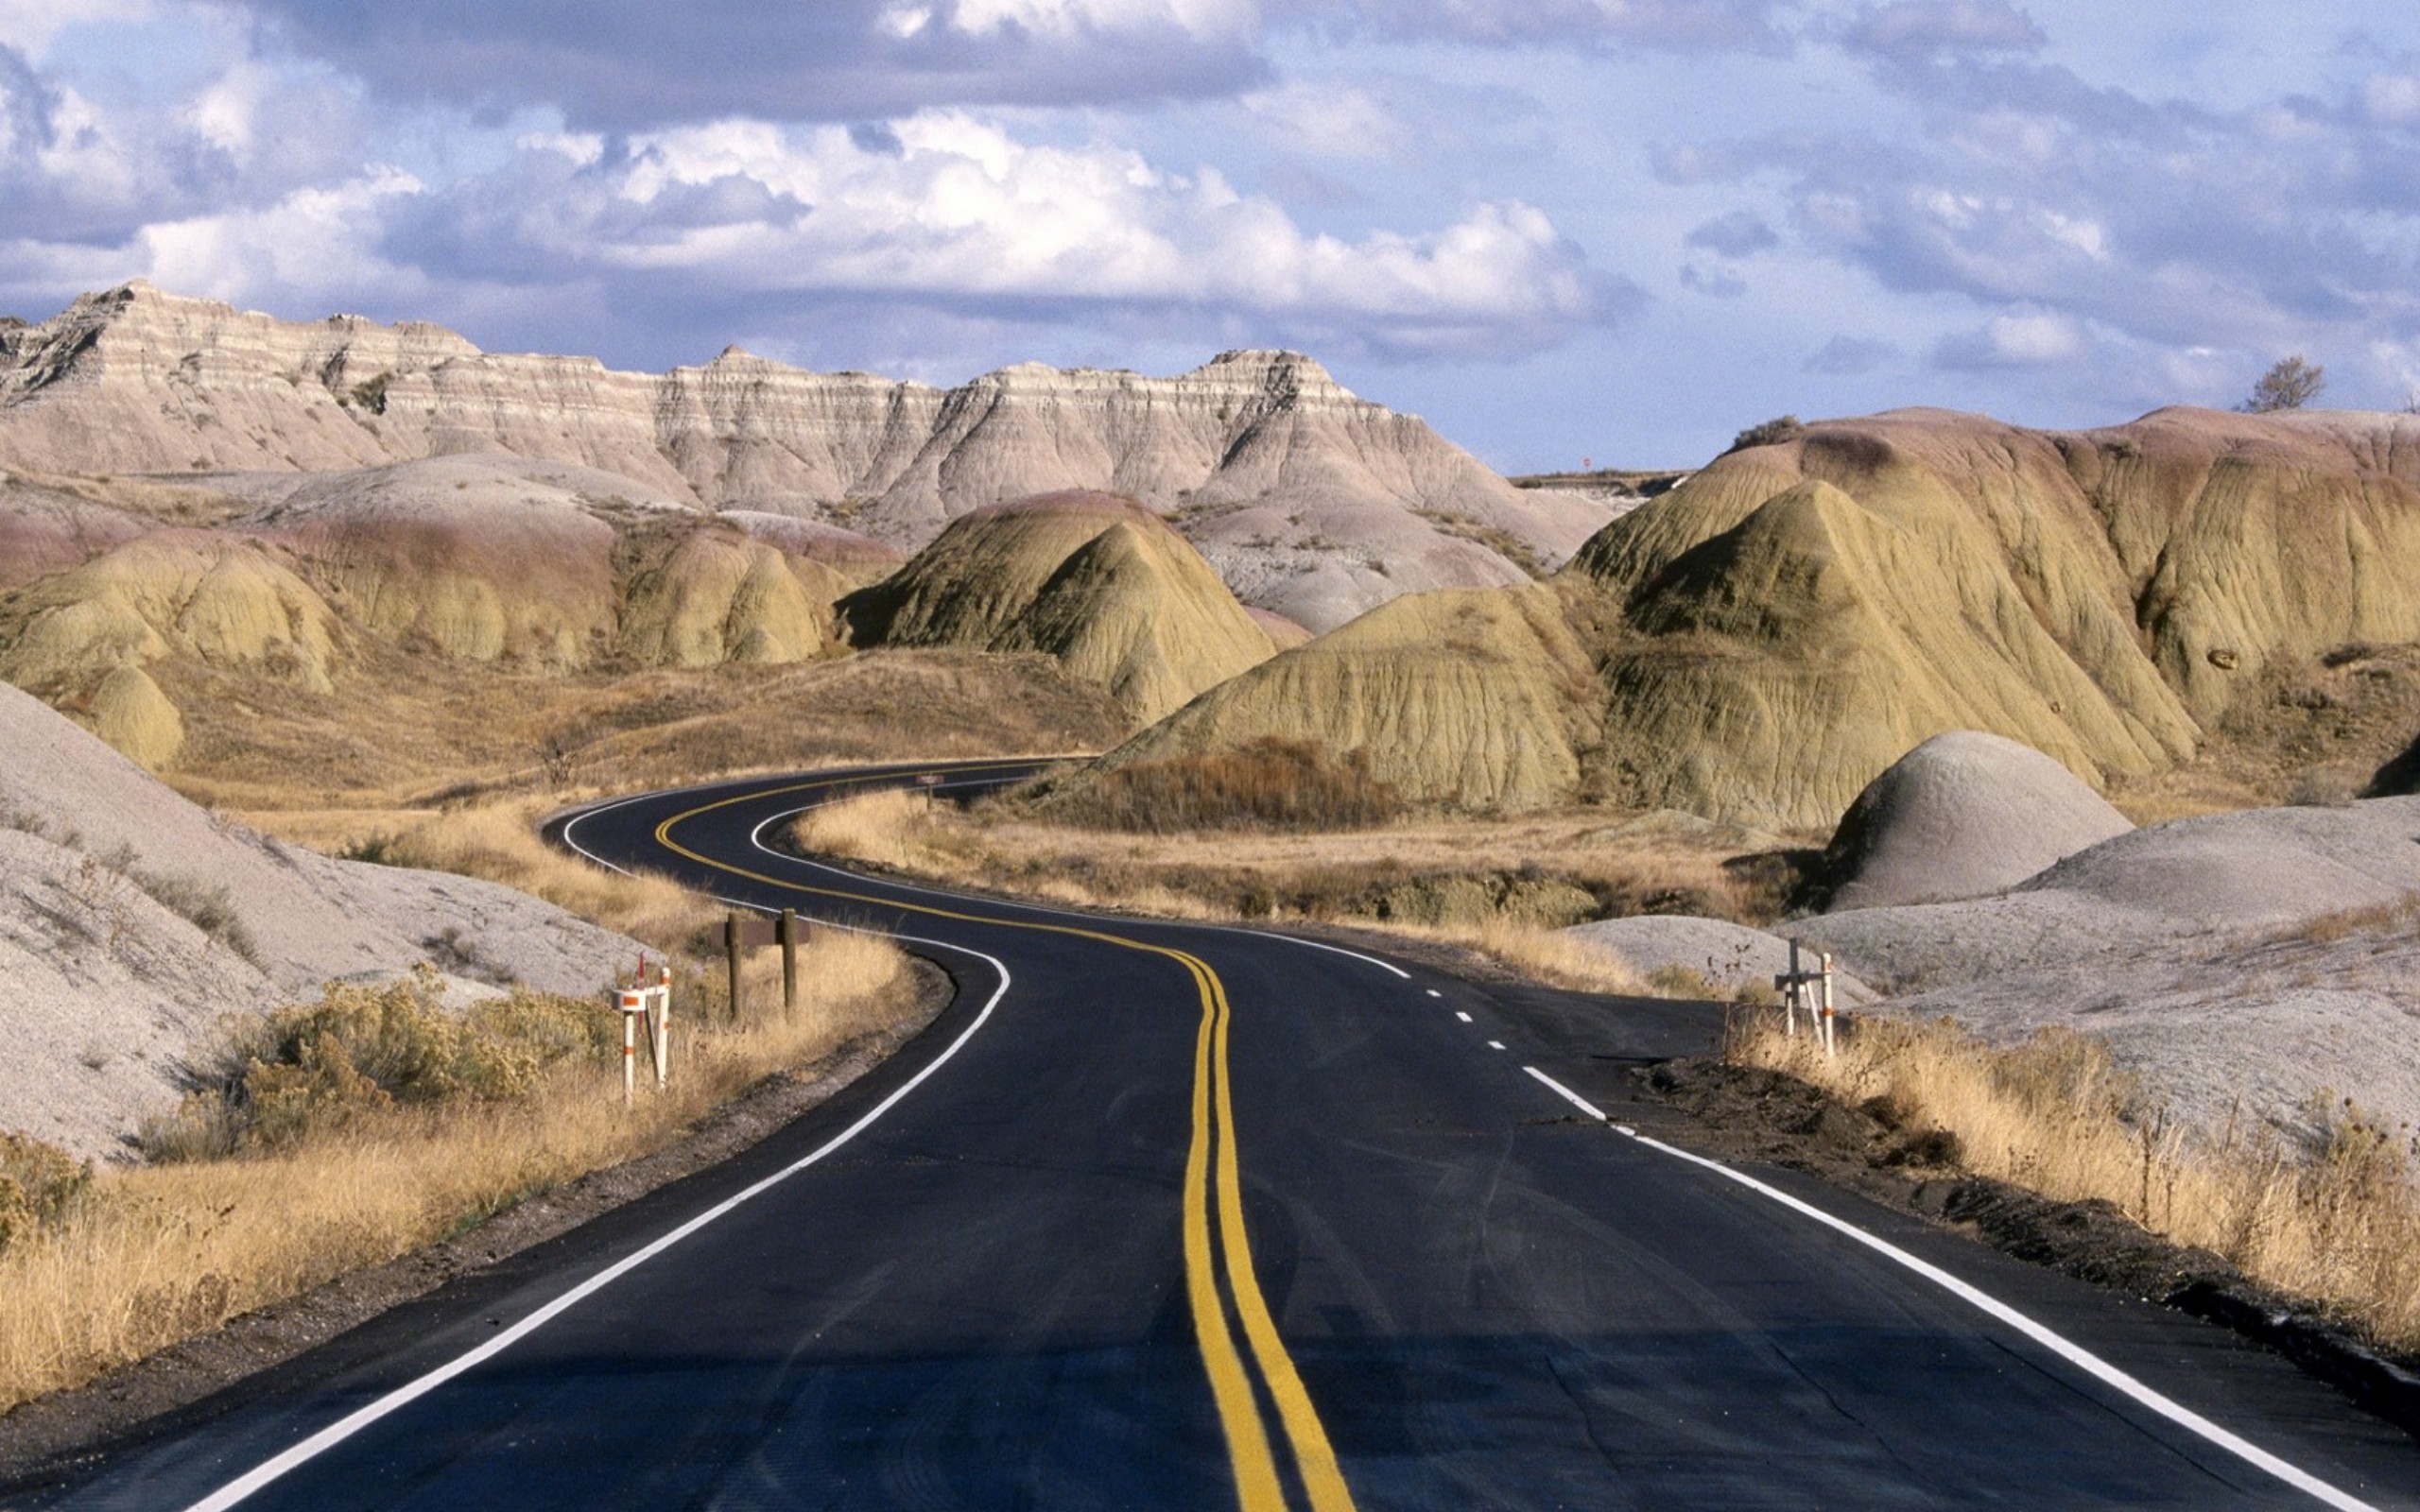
x: 1190, y: 1217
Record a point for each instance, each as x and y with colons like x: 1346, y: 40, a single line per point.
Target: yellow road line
x: 1313, y: 1455
x: 1257, y: 1488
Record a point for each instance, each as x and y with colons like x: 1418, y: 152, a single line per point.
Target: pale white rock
x: 1313, y: 502
x: 110, y: 991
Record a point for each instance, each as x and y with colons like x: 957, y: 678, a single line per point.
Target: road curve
x: 1180, y: 1216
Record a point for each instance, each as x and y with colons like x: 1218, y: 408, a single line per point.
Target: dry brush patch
x: 345, y: 1133
x: 1453, y: 881
x: 2335, y: 1218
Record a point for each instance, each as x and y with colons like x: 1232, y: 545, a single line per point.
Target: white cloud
x: 2392, y: 99
x: 956, y: 212
x: 31, y: 25
x: 2032, y: 339
x: 963, y: 210
x: 226, y: 113
x: 316, y: 242
x: 1198, y: 18
x: 1329, y: 119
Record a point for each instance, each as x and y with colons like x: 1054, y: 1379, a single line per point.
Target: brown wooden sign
x: 755, y: 930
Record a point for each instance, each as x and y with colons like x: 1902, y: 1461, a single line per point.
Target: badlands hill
x: 322, y: 582
x: 1311, y: 502
x: 130, y: 920
x: 1763, y: 640
x: 1097, y: 581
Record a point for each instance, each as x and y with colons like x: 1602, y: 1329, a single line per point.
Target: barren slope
x: 1771, y: 634
x: 1095, y: 580
x: 103, y: 875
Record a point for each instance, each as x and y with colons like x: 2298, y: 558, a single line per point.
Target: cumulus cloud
x: 633, y: 64
x: 1329, y: 120
x: 2032, y: 339
x: 953, y: 211
x: 2062, y: 208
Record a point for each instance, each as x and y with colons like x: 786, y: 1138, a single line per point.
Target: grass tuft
x: 2334, y: 1217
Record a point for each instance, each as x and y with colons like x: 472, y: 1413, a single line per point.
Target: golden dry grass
x: 417, y: 731
x: 2337, y: 1224
x: 1228, y: 875
x: 154, y: 1254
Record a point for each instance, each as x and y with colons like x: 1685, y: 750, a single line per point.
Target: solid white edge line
x: 1568, y: 1096
x: 2058, y: 1344
x: 756, y: 841
x: 344, y: 1428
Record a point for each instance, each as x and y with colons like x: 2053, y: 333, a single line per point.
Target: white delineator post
x: 662, y: 1040
x: 1827, y: 1003
x: 634, y: 1002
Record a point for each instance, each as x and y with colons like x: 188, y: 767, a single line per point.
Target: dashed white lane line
x: 1464, y: 1017
x: 1434, y: 993
x: 1495, y: 1044
x: 2075, y: 1354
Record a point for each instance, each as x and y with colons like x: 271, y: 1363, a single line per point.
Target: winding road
x: 1184, y: 1217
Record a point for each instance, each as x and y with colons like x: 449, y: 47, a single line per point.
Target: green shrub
x: 322, y: 1067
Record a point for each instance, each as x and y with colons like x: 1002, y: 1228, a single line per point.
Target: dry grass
x: 1357, y: 878
x: 473, y: 732
x: 2337, y: 1221
x: 1539, y: 953
x: 1269, y: 783
x: 154, y: 1254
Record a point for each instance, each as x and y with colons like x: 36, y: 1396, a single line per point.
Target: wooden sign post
x: 742, y: 933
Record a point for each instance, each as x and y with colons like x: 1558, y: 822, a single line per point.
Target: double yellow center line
x: 1213, y: 1185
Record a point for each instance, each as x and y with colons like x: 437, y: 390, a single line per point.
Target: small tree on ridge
x: 2290, y: 384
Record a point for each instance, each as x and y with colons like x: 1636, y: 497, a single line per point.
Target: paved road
x: 1185, y: 1217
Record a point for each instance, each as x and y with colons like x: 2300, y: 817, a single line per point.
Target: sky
x: 1615, y: 231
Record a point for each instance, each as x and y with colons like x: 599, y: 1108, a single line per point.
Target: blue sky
x: 1619, y: 230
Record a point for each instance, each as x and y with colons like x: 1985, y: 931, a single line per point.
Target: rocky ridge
x: 1311, y: 502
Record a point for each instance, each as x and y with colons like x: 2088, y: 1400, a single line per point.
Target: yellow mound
x: 132, y: 713
x: 715, y: 597
x: 1102, y: 584
x: 1803, y: 613
x: 1759, y: 643
x: 217, y: 599
x: 1477, y: 696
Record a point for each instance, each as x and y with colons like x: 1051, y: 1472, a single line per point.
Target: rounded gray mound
x: 1962, y: 814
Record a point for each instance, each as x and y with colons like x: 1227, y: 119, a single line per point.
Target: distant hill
x: 1764, y: 639
x: 1311, y: 502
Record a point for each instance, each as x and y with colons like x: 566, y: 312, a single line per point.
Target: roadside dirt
x: 51, y: 1433
x: 1747, y: 1114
